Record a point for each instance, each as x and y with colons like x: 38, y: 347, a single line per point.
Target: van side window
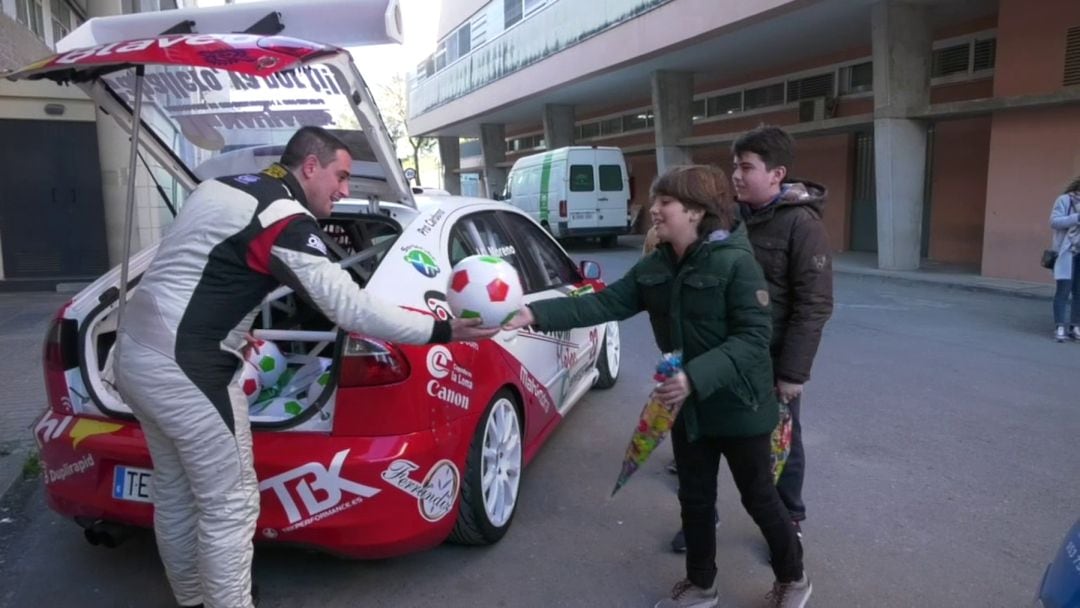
x: 581, y: 178
x: 610, y: 178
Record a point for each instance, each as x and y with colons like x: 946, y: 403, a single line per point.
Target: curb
x: 1031, y: 291
x: 11, y: 467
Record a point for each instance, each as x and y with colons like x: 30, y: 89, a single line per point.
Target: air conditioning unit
x: 816, y: 108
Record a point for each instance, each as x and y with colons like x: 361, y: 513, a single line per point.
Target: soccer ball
x: 268, y: 360
x: 484, y: 287
x: 282, y: 408
x: 250, y: 382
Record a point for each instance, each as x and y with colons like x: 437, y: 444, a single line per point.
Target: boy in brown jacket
x: 784, y: 218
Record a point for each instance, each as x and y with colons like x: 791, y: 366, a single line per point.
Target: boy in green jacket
x: 706, y: 297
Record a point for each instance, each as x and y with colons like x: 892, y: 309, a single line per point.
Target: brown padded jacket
x: 792, y: 248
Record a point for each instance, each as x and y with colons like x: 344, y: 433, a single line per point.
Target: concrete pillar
x: 673, y: 112
x: 558, y: 126
x: 901, y: 49
x: 493, y: 151
x: 450, y: 154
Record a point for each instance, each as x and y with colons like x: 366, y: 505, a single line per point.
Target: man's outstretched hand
x: 468, y: 330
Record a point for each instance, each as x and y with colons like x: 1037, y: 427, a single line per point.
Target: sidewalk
x: 957, y: 277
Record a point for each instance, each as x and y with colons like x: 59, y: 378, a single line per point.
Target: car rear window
x: 610, y: 178
x: 581, y: 178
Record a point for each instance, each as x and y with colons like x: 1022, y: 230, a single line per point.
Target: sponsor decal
x: 85, y: 427
x: 50, y: 427
x: 69, y: 469
x: 820, y: 261
x: 165, y: 43
x: 422, y: 261
x: 762, y: 297
x: 441, y: 366
x: 430, y: 222
x: 247, y: 179
x: 318, y: 489
x: 436, y: 304
x: 580, y: 291
x: 276, y: 171
x: 435, y: 495
x: 501, y: 251
x: 316, y: 243
x: 535, y: 388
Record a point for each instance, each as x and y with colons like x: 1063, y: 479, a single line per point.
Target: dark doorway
x: 864, y: 196
x: 52, y: 222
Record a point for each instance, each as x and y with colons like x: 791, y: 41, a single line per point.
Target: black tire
x: 473, y: 526
x: 609, y: 242
x: 607, y: 378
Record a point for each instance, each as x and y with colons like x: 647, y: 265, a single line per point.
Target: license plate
x: 581, y: 215
x: 131, y: 483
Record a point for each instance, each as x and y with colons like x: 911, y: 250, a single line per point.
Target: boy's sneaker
x: 672, y: 468
x: 1074, y: 332
x: 790, y: 595
x: 688, y: 595
x: 678, y: 542
x: 1059, y: 333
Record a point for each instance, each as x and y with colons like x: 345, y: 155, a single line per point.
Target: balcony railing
x: 559, y: 25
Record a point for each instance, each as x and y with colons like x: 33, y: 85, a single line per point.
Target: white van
x: 578, y: 191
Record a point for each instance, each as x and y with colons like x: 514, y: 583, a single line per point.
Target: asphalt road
x: 941, y: 427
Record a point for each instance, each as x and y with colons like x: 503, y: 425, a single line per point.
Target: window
x: 611, y: 126
x: 31, y: 14
x: 581, y: 178
x: 1072, y: 57
x: 725, y: 104
x: 588, y: 130
x: 950, y: 60
x: 512, y: 12
x: 532, y: 5
x: 551, y: 268
x: 761, y: 97
x: 698, y: 110
x: 61, y: 19
x: 481, y: 234
x: 811, y: 86
x: 985, y: 55
x: 610, y: 178
x: 464, y: 36
x: 858, y: 78
x: 638, y: 121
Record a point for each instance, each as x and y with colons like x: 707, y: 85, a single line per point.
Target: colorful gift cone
x: 653, y: 424
x: 781, y: 442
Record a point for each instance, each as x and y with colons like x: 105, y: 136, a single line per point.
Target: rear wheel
x: 610, y: 356
x: 489, y: 491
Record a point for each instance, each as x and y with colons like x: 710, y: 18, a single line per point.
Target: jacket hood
x: 803, y: 192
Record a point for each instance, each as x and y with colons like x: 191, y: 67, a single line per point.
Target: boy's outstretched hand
x: 523, y: 318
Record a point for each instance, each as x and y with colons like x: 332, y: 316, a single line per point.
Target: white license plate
x: 581, y: 215
x: 131, y: 483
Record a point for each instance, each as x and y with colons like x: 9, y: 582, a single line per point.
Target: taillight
x: 562, y: 208
x: 371, y: 362
x: 59, y: 355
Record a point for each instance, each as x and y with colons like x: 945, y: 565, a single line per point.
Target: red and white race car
x: 399, y: 447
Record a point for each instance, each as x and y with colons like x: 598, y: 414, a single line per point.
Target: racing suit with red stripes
x: 177, y: 363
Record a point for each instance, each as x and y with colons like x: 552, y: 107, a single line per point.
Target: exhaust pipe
x: 106, y: 534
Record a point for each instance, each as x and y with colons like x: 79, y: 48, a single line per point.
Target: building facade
x: 943, y: 129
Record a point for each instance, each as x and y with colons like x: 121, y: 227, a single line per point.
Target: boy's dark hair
x: 772, y: 144
x: 703, y: 187
x: 311, y: 140
x: 1074, y: 186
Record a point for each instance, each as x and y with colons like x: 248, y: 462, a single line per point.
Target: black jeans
x: 698, y: 463
x: 791, y: 480
x: 1062, y: 293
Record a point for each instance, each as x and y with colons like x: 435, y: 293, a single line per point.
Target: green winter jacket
x: 714, y: 307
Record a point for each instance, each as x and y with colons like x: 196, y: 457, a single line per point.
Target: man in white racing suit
x: 178, y: 350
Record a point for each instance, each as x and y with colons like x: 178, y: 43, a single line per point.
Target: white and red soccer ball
x: 484, y: 287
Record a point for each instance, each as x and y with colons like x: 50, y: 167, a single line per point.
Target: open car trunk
x: 291, y: 372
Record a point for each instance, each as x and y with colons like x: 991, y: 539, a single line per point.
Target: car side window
x: 553, y: 268
x: 481, y: 234
x: 581, y: 178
